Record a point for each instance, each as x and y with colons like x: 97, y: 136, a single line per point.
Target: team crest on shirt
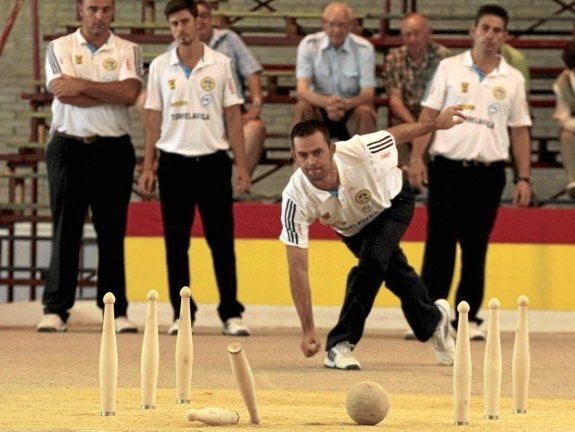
x: 363, y: 196
x: 499, y: 93
x: 110, y: 64
x: 172, y: 84
x: 208, y: 84
x: 78, y: 59
x: 464, y: 87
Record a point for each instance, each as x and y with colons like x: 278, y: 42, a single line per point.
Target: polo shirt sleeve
x: 437, y: 89
x: 519, y: 115
x: 380, y: 147
x: 132, y: 65
x: 153, y: 89
x: 59, y: 59
x: 295, y: 226
x: 231, y: 96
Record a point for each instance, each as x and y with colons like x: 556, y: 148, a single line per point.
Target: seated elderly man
x: 336, y: 76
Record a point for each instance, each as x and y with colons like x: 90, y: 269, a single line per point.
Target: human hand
x: 522, y: 194
x: 147, y: 183
x: 449, y: 117
x: 417, y: 174
x: 66, y: 86
x: 243, y: 180
x: 251, y: 114
x: 310, y: 344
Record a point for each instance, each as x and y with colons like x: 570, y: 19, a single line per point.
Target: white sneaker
x: 409, y: 335
x: 475, y: 332
x: 340, y: 357
x: 235, y: 327
x: 442, y: 341
x: 174, y: 328
x: 571, y: 190
x: 51, y: 323
x: 124, y: 325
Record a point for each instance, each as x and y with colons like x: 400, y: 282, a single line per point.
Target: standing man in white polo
x: 466, y: 174
x: 95, y: 76
x: 193, y: 117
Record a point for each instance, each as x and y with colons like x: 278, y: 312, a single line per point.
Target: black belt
x: 467, y: 163
x: 86, y: 140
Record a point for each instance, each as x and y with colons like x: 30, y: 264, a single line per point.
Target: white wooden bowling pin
x: 462, y: 368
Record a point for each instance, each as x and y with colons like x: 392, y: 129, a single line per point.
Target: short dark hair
x: 205, y: 4
x: 307, y: 128
x: 569, y: 54
x: 492, y: 9
x: 174, y: 6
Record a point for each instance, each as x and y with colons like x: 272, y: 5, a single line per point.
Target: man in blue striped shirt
x: 356, y: 188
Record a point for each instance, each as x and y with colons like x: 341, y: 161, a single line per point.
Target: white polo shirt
x: 193, y: 122
x: 491, y: 104
x: 116, y: 60
x: 369, y: 179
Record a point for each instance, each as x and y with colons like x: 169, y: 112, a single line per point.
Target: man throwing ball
x: 357, y: 189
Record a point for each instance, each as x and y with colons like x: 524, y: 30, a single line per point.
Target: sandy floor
x: 50, y: 382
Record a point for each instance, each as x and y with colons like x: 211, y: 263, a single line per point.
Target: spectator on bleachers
x: 94, y: 76
x: 407, y: 71
x: 564, y: 89
x: 246, y: 69
x: 518, y: 60
x: 467, y: 168
x: 193, y: 117
x: 335, y: 74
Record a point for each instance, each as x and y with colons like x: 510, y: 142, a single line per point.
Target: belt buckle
x: 90, y: 139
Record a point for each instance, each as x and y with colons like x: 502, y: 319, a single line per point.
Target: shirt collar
x: 501, y: 69
x: 324, y: 45
x: 110, y: 42
x: 207, y: 59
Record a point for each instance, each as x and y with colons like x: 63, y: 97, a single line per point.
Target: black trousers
x: 462, y: 204
x: 96, y: 176
x: 382, y: 260
x: 203, y: 182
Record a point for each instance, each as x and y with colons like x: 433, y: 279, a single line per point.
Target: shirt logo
x: 110, y: 64
x: 206, y: 100
x: 326, y: 216
x: 494, y: 108
x: 78, y: 59
x: 499, y: 93
x: 464, y: 87
x: 208, y: 84
x: 363, y: 196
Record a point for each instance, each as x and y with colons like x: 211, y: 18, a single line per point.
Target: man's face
x: 415, y: 34
x: 314, y: 156
x: 489, y: 34
x: 183, y: 26
x: 204, y: 23
x: 337, y: 25
x: 96, y: 16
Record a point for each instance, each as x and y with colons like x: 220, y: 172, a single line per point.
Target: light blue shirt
x: 342, y: 71
x: 243, y: 61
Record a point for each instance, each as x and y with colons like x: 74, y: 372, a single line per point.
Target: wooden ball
x: 367, y: 403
